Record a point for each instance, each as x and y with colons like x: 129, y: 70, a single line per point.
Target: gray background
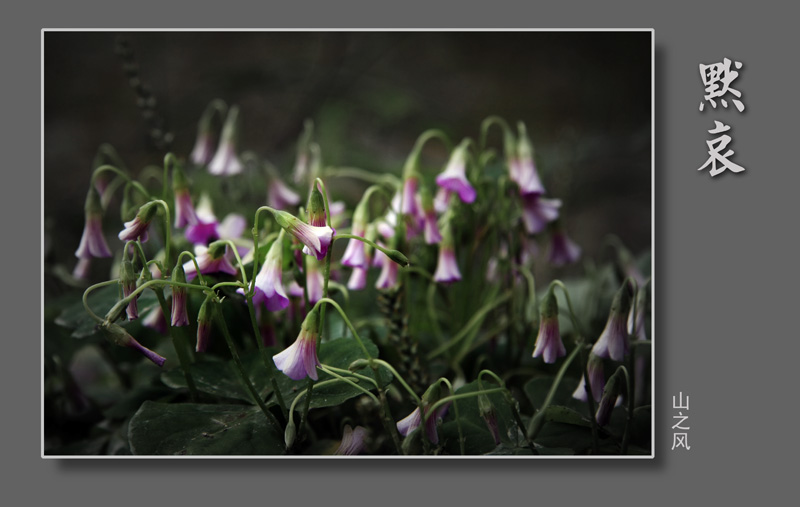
x: 725, y: 274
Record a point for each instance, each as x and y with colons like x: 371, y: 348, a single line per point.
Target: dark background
x: 585, y: 97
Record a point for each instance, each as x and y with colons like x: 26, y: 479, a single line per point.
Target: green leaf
x: 221, y: 378
x: 196, y: 429
x: 537, y: 388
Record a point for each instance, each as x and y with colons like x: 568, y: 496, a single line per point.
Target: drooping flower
x: 489, y: 416
x: 268, y: 286
x: 280, y: 196
x: 156, y: 321
x: 442, y: 200
x: 203, y: 149
x: 128, y: 279
x: 408, y: 204
x: 204, y: 318
x: 454, y: 177
x: 597, y: 380
x: 537, y: 212
x: 314, y: 281
x: 82, y: 268
x: 137, y: 228
x: 354, y: 255
x: 184, y: 209
x: 316, y: 239
x: 225, y: 161
x: 562, y: 249
x: 412, y: 421
x: 526, y: 175
x: 447, y: 267
x: 117, y: 334
x: 636, y: 322
x: 358, y: 279
x: 429, y: 219
x: 609, y: 399
x: 180, y: 316
x: 548, y: 341
x: 613, y: 341
x: 353, y: 441
x: 93, y: 243
x: 214, y: 259
x: 300, y: 360
x: 388, y: 276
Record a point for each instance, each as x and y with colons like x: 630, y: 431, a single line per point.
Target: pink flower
x: 225, y: 161
x: 431, y: 228
x: 279, y: 196
x: 358, y: 279
x: 352, y: 441
x: 317, y: 240
x: 300, y: 359
x: 354, y: 255
x: 93, y: 243
x: 314, y: 281
x: 155, y: 320
x: 388, y: 276
x: 447, y: 267
x: 204, y: 317
x: 613, y: 341
x: 214, y: 259
x: 412, y: 421
x: 526, y: 176
x: 184, y: 209
x: 180, y: 316
x: 268, y: 286
x: 548, y: 341
x: 82, y: 268
x: 128, y: 279
x: 120, y: 336
x: 596, y: 378
x: 203, y: 148
x: 537, y: 212
x: 442, y: 200
x: 454, y: 177
x: 137, y: 228
x: 562, y: 249
x: 409, y: 202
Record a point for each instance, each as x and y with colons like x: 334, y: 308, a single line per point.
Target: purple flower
x: 409, y: 201
x: 431, y: 228
x: 454, y: 177
x: 180, y: 316
x: 268, y: 286
x: 352, y: 441
x: 155, y: 320
x: 317, y: 240
x: 636, y: 326
x: 184, y: 209
x: 82, y: 268
x: 412, y: 421
x: 128, y: 279
x: 120, y: 336
x: 279, y: 196
x: 442, y: 200
x: 214, y: 259
x: 225, y: 161
x: 562, y: 249
x: 204, y: 317
x: 354, y: 255
x: 314, y: 281
x: 526, y: 176
x: 596, y: 379
x: 613, y: 341
x: 388, y: 276
x: 489, y: 415
x: 609, y: 400
x: 537, y: 212
x: 137, y: 228
x: 548, y: 341
x: 300, y: 359
x: 93, y: 243
x: 203, y: 148
x: 358, y: 279
x: 447, y: 267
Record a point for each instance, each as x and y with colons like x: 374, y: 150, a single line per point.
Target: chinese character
x: 682, y: 418
x: 715, y: 147
x: 680, y: 440
x: 680, y: 401
x: 717, y: 78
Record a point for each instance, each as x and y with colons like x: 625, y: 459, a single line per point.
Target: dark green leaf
x: 76, y: 317
x: 179, y: 429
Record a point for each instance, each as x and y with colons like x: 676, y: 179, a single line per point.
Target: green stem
x: 86, y: 295
x: 170, y: 160
x: 461, y: 439
x: 262, y: 350
x: 361, y: 174
x: 135, y: 184
x: 538, y: 420
x: 240, y: 369
x: 348, y: 381
x: 180, y: 344
x: 381, y: 362
x: 461, y: 396
x: 196, y: 266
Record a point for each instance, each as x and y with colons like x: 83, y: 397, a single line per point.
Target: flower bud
x: 128, y: 278
x: 204, y: 318
x: 118, y: 336
x: 137, y: 228
x: 316, y: 208
x: 613, y: 342
x: 489, y: 415
x: 548, y: 341
x: 180, y: 316
x: 609, y: 399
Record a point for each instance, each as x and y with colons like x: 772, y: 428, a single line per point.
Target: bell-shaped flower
x: 412, y: 421
x: 609, y: 399
x: 613, y: 341
x: 280, y: 196
x: 93, y: 243
x: 358, y: 279
x: 447, y: 267
x: 268, y: 286
x: 548, y: 341
x: 408, y: 204
x: 636, y: 322
x: 203, y: 149
x: 354, y: 255
x: 204, y: 318
x: 489, y: 416
x: 180, y: 316
x: 300, y: 359
x: 562, y: 249
x: 82, y: 268
x: 430, y: 226
x: 214, y: 259
x: 156, y: 321
x: 597, y: 380
x: 387, y: 278
x: 184, y: 209
x: 316, y: 239
x: 137, y: 228
x: 454, y: 176
x: 353, y: 441
x: 225, y: 161
x: 537, y: 212
x: 128, y: 279
x: 526, y: 175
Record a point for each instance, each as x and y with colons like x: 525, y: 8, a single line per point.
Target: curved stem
x: 86, y: 295
x: 399, y: 378
x: 538, y: 419
x: 346, y: 321
x: 106, y: 167
x: 572, y: 315
x: 262, y: 350
x: 196, y: 266
x: 170, y: 160
x: 349, y: 381
x: 461, y: 439
x: 361, y: 174
x: 238, y: 260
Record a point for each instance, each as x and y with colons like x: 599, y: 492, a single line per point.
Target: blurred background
x: 585, y: 97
